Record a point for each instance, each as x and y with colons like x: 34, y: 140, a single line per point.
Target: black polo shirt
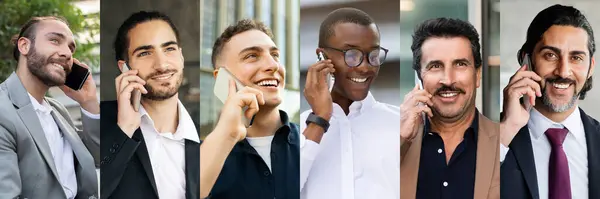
x: 455, y: 180
x: 246, y: 175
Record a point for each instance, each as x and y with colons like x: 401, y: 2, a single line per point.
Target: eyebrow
x: 149, y: 47
x: 256, y: 48
x: 63, y: 37
x: 355, y: 46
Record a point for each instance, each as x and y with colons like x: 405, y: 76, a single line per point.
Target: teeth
x: 268, y: 83
x: 161, y: 77
x: 58, y: 65
x: 448, y: 94
x: 359, y: 80
x: 561, y: 86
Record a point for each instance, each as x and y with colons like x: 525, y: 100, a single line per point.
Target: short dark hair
x: 239, y: 27
x: 28, y: 31
x: 445, y: 28
x: 342, y: 15
x: 562, y: 16
x: 122, y: 39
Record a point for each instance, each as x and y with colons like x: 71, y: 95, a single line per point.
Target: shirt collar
x: 357, y: 107
x: 287, y: 133
x: 185, y: 129
x: 43, y: 107
x: 538, y: 123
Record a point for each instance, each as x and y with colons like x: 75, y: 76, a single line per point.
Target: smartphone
x: 527, y: 61
x: 330, y: 79
x: 420, y: 83
x: 136, y: 95
x: 221, y: 90
x: 77, y: 77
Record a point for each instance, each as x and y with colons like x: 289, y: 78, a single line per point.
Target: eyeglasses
x: 354, y: 57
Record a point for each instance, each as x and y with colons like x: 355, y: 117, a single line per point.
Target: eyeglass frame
x: 362, y: 58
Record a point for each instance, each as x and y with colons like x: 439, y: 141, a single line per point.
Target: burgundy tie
x: 559, y: 186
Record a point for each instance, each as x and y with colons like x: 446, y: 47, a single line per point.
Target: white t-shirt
x: 262, y: 145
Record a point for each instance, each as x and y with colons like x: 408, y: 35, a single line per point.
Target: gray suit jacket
x: 27, y: 169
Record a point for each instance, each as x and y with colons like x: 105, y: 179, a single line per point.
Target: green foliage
x: 15, y: 13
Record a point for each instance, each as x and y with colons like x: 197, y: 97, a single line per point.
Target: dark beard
x: 156, y: 95
x: 38, y: 66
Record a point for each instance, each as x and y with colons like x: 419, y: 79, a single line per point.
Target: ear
x: 121, y: 64
x: 478, y: 82
x: 24, y: 45
x: 215, y: 72
x: 592, y: 66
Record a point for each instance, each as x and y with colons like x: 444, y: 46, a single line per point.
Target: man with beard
x: 42, y: 153
x: 153, y: 152
x: 261, y: 161
x: 454, y: 152
x: 550, y: 147
x: 349, y: 147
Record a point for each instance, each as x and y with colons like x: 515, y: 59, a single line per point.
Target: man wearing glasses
x: 350, y: 145
x: 453, y: 152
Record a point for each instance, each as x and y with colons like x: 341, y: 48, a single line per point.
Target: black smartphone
x: 77, y: 77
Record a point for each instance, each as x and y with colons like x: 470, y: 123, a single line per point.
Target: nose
x: 271, y: 64
x: 564, y: 68
x: 160, y: 61
x: 65, y: 52
x: 448, y: 76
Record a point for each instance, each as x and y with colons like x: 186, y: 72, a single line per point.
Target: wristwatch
x: 315, y: 119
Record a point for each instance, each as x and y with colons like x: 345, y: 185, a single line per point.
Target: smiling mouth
x: 268, y: 83
x: 58, y: 66
x: 561, y: 85
x: 163, y: 76
x: 358, y: 80
x: 448, y: 94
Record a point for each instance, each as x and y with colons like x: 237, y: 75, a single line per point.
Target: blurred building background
x: 386, y: 15
x: 186, y: 17
x: 486, y: 20
x: 515, y: 19
x: 280, y: 16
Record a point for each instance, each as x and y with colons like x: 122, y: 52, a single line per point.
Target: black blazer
x: 518, y: 177
x: 125, y: 170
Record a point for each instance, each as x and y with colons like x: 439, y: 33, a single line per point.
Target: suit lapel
x: 19, y: 97
x: 523, y: 151
x: 487, y: 151
x: 142, y: 153
x: 83, y: 158
x: 192, y: 169
x: 593, y: 148
x: 409, y: 167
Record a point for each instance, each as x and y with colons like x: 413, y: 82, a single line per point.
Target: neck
x: 164, y: 113
x: 32, y: 84
x: 342, y: 101
x: 453, y: 128
x: 554, y: 116
x: 266, y: 122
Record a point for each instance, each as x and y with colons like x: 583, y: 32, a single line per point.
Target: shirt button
x: 445, y: 184
x: 430, y: 133
x: 439, y: 150
x: 266, y: 173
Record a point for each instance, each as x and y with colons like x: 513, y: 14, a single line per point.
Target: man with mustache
x: 349, y: 146
x: 152, y: 152
x: 453, y: 153
x: 42, y: 153
x: 261, y: 161
x: 550, y: 147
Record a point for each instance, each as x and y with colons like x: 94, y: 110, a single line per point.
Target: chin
x: 358, y: 96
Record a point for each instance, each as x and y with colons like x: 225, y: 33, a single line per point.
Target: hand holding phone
x: 222, y: 91
x: 136, y: 95
x: 76, y: 78
x: 128, y: 85
x: 330, y: 80
x: 416, y: 104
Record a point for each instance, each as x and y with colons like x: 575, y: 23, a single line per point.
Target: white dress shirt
x: 61, y: 150
x: 358, y: 157
x: 167, y: 152
x: 575, y: 148
x: 262, y: 145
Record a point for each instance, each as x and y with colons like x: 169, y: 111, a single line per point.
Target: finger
x: 415, y: 93
x: 517, y: 93
x: 130, y: 79
x: 525, y: 74
x: 257, y: 94
x: 421, y: 99
x: 126, y: 93
x: 416, y: 88
x: 323, y: 76
x: 529, y: 82
x: 232, y: 88
x: 249, y: 100
x: 121, y: 76
x: 427, y: 110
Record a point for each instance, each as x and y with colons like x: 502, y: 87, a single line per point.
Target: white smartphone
x: 136, y: 95
x: 221, y: 89
x: 330, y: 79
x: 420, y: 83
